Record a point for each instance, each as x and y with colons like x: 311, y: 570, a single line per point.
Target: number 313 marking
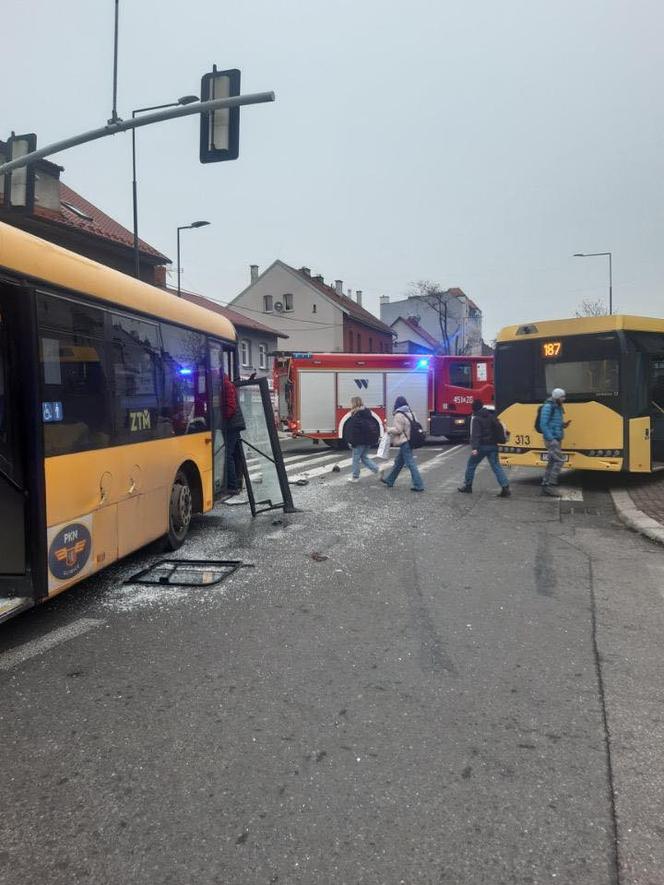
x: 522, y: 440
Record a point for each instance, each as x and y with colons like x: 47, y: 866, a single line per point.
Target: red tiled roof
x: 97, y: 223
x: 415, y: 327
x: 92, y: 221
x: 238, y: 319
x: 359, y: 314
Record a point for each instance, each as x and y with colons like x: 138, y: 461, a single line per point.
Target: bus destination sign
x: 551, y: 349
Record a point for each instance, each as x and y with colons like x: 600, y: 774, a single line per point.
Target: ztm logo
x: 362, y: 382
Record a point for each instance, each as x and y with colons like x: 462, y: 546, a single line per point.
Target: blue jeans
x: 405, y: 458
x: 491, y: 454
x: 361, y: 455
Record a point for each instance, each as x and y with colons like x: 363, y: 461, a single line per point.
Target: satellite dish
x: 278, y: 306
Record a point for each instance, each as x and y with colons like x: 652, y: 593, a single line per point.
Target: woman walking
x: 362, y: 433
x: 400, y: 434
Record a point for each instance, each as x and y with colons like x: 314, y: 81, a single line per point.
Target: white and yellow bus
x: 612, y: 369
x: 111, y: 429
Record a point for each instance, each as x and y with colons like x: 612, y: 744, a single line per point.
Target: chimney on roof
x: 339, y: 287
x: 306, y: 271
x: 384, y: 299
x: 319, y: 279
x: 359, y: 297
x: 254, y: 272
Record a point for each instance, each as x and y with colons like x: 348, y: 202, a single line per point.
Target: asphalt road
x: 457, y: 689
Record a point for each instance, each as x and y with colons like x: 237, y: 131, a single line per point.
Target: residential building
x: 316, y: 317
x: 411, y: 337
x: 58, y: 214
x: 256, y: 342
x: 461, y: 316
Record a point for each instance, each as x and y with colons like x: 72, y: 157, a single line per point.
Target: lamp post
x: 186, y: 227
x: 593, y: 255
x: 186, y: 99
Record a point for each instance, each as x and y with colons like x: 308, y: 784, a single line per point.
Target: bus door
x: 656, y: 393
x: 263, y: 462
x: 12, y: 489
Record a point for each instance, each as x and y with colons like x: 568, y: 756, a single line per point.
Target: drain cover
x: 188, y: 572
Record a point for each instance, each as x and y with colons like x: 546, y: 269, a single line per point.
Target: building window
x: 370, y: 344
x: 350, y: 342
x: 314, y: 309
x: 245, y: 353
x: 267, y: 303
x: 262, y: 356
x: 288, y: 301
x: 359, y: 343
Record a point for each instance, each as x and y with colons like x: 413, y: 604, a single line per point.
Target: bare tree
x: 438, y: 299
x: 591, y: 308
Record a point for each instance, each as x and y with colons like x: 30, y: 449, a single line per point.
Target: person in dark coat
x: 233, y: 425
x: 484, y: 445
x: 361, y: 431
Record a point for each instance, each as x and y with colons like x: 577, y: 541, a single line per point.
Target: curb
x: 636, y: 519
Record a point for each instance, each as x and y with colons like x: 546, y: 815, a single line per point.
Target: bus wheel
x: 179, y: 511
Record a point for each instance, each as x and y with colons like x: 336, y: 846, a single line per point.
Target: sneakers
x: 413, y: 489
x: 551, y: 491
x: 505, y: 492
x: 467, y: 490
x: 353, y: 479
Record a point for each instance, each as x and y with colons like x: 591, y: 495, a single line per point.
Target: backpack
x: 538, y: 419
x: 499, y: 437
x: 417, y: 435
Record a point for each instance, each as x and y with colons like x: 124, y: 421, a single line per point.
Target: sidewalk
x: 641, y: 505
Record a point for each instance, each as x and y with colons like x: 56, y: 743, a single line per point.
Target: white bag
x: 384, y: 447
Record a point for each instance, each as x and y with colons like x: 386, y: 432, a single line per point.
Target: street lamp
x: 186, y: 99
x: 186, y: 227
x: 593, y: 255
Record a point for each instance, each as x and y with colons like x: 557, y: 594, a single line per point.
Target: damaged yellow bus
x: 111, y: 429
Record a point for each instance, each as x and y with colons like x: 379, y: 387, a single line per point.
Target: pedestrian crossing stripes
x: 319, y: 463
x: 305, y: 466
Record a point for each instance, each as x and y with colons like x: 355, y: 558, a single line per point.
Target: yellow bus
x: 612, y: 369
x: 111, y: 429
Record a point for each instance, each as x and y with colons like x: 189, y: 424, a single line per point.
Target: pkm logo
x: 69, y: 551
x: 362, y: 383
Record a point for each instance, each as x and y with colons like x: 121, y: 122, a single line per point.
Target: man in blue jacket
x: 553, y: 424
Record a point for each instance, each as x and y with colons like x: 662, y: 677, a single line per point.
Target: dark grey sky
x: 476, y: 144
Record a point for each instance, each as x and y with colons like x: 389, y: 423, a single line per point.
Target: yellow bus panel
x: 639, y: 445
x: 106, y: 503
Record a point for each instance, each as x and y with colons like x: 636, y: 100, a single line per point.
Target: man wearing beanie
x: 486, y: 432
x: 553, y: 424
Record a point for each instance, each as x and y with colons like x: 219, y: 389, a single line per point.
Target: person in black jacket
x: 484, y: 429
x: 361, y: 431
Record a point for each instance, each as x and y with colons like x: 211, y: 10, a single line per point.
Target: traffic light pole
x: 112, y: 128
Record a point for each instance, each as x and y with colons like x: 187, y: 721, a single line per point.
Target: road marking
x: 38, y: 646
x: 567, y: 493
x: 437, y: 458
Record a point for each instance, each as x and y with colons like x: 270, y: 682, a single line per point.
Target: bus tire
x: 180, y: 510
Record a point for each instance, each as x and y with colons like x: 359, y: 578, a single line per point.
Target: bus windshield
x: 587, y: 367
x: 584, y: 378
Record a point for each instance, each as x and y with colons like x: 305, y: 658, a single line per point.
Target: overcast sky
x: 476, y: 144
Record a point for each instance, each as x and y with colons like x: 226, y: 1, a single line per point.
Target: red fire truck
x: 314, y: 390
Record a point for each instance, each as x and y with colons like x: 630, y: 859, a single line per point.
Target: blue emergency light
x: 422, y: 364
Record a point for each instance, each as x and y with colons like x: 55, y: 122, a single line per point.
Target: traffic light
x: 220, y: 129
x: 19, y: 190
